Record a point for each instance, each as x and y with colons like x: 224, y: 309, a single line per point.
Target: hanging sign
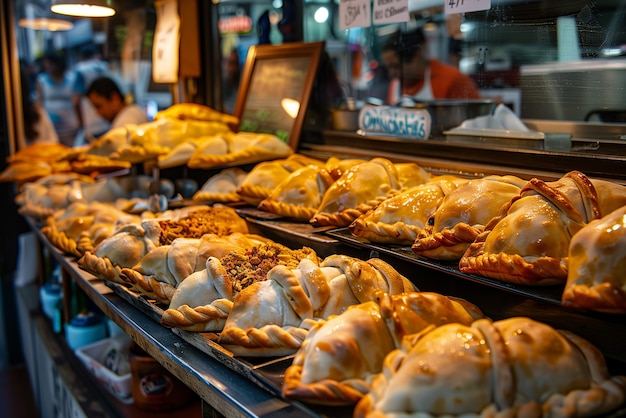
x: 462, y: 6
x: 354, y: 13
x: 391, y: 11
x: 166, y: 44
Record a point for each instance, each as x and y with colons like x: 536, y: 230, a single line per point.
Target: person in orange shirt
x: 416, y: 75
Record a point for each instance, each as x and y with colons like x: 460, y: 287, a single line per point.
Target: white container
x: 94, y: 356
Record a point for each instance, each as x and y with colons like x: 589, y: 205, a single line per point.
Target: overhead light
x: 45, y: 23
x: 83, y: 8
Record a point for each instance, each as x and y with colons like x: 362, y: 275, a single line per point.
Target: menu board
x: 276, y: 87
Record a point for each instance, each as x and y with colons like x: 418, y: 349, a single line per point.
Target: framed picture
x: 275, y: 88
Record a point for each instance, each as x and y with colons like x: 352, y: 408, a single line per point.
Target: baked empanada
x: 339, y: 356
x: 515, y: 367
x: 195, y: 111
x: 463, y: 214
x: 529, y: 243
x: 298, y: 295
x: 222, y: 187
x: 596, y: 277
x: 241, y: 148
x: 299, y: 195
x: 359, y: 189
x: 123, y: 249
x: 202, y: 301
x: 399, y: 219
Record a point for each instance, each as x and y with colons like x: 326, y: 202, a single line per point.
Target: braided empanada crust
x: 513, y: 268
x: 148, y: 286
x: 100, y: 267
x: 60, y: 240
x: 200, y: 318
x: 447, y: 244
x: 267, y: 341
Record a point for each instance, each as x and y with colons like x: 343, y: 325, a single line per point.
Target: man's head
x: 106, y: 97
x: 403, y: 56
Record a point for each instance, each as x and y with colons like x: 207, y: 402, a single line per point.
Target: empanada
x: 339, y: 356
x: 463, y: 214
x: 596, y: 277
x: 359, y: 189
x: 222, y: 187
x: 299, y: 195
x: 195, y: 111
x: 242, y: 148
x: 123, y: 249
x: 515, y: 367
x: 209, y: 292
x: 399, y: 219
x: 299, y: 295
x: 529, y: 243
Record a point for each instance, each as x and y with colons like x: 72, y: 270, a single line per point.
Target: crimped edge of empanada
x: 601, y: 297
x: 300, y: 213
x: 253, y: 194
x: 327, y: 392
x: 513, y: 268
x: 61, y: 241
x: 206, y: 318
x: 398, y: 233
x: 247, y: 155
x: 100, y: 267
x: 447, y: 244
x: 201, y: 196
x: 346, y: 216
x: 147, y: 286
x: 267, y: 341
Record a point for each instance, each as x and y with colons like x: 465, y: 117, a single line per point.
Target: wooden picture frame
x: 275, y: 76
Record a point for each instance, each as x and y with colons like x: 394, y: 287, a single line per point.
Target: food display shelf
x: 250, y: 387
x: 221, y: 389
x: 500, y: 300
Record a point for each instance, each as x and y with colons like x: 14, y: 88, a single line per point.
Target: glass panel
x: 546, y: 59
x: 119, y: 47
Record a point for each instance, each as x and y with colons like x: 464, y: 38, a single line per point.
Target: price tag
x: 354, y: 14
x: 391, y: 11
x: 462, y: 6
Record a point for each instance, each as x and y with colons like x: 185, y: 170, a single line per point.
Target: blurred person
x: 108, y: 100
x: 90, y: 67
x: 415, y: 74
x: 56, y: 94
x: 38, y: 127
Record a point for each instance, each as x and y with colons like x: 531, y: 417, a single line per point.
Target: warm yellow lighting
x: 83, y: 8
x: 44, y: 23
x: 291, y: 106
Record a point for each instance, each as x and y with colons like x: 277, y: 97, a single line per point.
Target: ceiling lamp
x: 44, y: 23
x: 83, y: 8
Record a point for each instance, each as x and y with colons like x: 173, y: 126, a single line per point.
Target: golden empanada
x: 222, y: 187
x: 529, y: 243
x: 510, y: 368
x: 596, y: 277
x: 299, y: 195
x: 202, y: 301
x: 359, y: 189
x: 399, y: 219
x: 463, y: 214
x: 340, y: 355
x: 273, y: 317
x: 241, y: 148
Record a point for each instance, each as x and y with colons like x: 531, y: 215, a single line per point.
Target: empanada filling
x: 252, y: 266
